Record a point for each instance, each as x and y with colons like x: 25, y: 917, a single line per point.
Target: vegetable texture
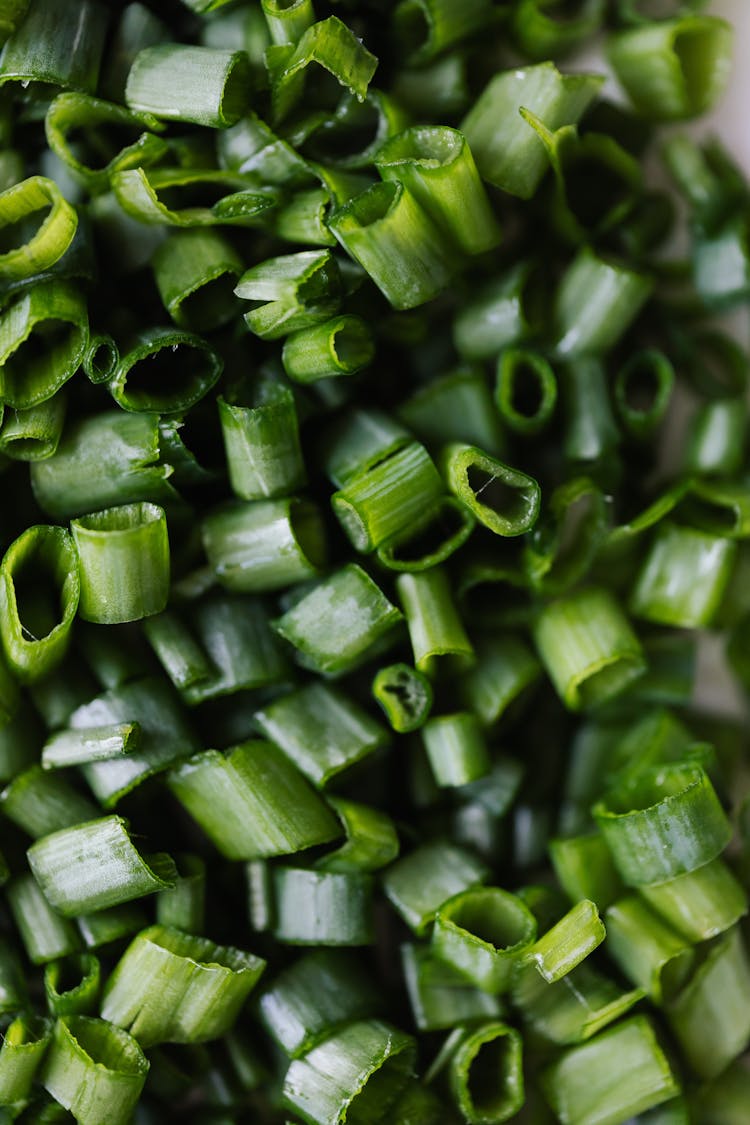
x: 374, y: 467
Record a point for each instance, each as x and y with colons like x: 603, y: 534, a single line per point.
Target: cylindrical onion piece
x: 664, y: 823
x: 172, y: 987
x: 482, y: 932
x: 39, y: 591
x: 165, y: 370
x: 456, y: 749
x: 53, y: 236
x: 486, y: 1074
x: 93, y: 865
x: 396, y: 242
x: 204, y: 85
x: 435, y: 164
x: 322, y: 907
x: 124, y: 562
x: 95, y: 1070
x: 264, y: 545
x: 355, y: 1075
x: 587, y: 647
x: 24, y: 1044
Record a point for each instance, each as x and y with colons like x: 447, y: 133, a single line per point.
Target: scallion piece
x: 93, y: 865
x: 384, y: 500
x: 456, y: 749
x: 321, y: 730
x: 123, y: 447
x: 483, y: 932
x: 643, y: 388
x: 507, y: 150
x: 95, y: 1070
x: 371, y: 840
x: 187, y: 197
x: 40, y: 802
x: 501, y: 313
x: 212, y: 86
x: 542, y: 31
x: 329, y: 44
x: 668, y: 592
x: 502, y: 498
x: 322, y: 907
x: 291, y: 292
x: 45, y: 935
x: 31, y: 374
x: 314, y: 996
x: 341, y: 346
x: 435, y: 164
x: 405, y: 695
x: 39, y: 591
x: 504, y: 673
x: 673, y: 69
x: 486, y: 1074
x: 183, y: 905
x: 396, y: 243
x: 206, y: 985
x: 648, y: 952
x: 56, y: 46
x: 124, y: 562
x: 699, y: 904
x: 710, y: 1017
x: 262, y: 445
x: 595, y: 303
x: 52, y: 236
x: 663, y: 823
x: 165, y: 370
x: 437, y: 635
x: 252, y: 802
x: 71, y: 113
x: 33, y: 434
x: 355, y: 1075
x: 23, y: 1049
x: 440, y: 996
x: 587, y: 647
x: 584, y: 1087
x: 313, y: 625
x: 525, y: 390
x: 456, y: 406
x: 264, y: 545
x: 80, y: 998
x: 195, y: 271
x: 585, y: 869
x: 97, y: 744
x: 288, y: 19
x: 418, y: 884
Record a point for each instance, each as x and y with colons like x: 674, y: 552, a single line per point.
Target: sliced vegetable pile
x: 352, y: 595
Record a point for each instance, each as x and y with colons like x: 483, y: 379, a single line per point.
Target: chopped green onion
x: 252, y: 802
x: 663, y: 823
x: 182, y: 906
x: 195, y: 271
x: 321, y: 730
x: 124, y: 562
x: 56, y: 45
x: 507, y: 150
x: 23, y: 1049
x: 96, y: 744
x: 341, y: 346
x: 486, y: 1074
x: 353, y: 1076
x: 456, y: 749
x: 621, y: 1072
x: 74, y: 999
x: 699, y: 904
x: 595, y: 303
x: 41, y: 802
x: 435, y: 164
x: 673, y: 69
x: 587, y: 647
x: 483, y: 932
x: 439, y: 995
x: 33, y: 434
x: 165, y: 370
x: 418, y: 884
x: 95, y: 1070
x: 45, y: 935
x: 206, y: 985
x: 93, y: 865
x: 525, y: 390
x: 437, y: 635
x: 683, y: 577
x: 710, y: 1018
x: 502, y: 498
x: 262, y: 443
x: 405, y: 696
x: 53, y: 235
x: 39, y: 591
x: 264, y: 545
x: 202, y: 85
x: 322, y: 907
x: 347, y: 600
x: 53, y: 312
x: 314, y: 996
